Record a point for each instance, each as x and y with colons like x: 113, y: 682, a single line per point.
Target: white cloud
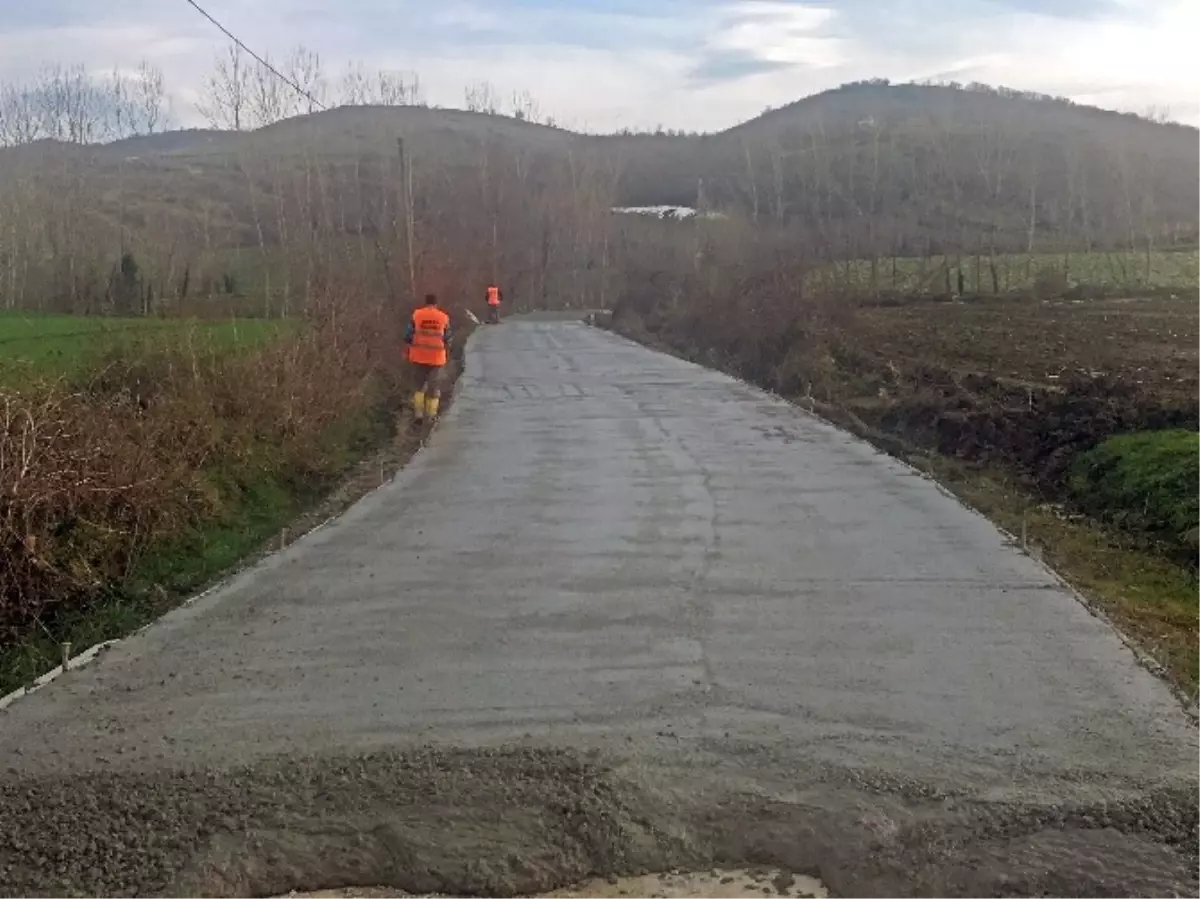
x: 592, y: 89
x: 777, y: 32
x: 1136, y: 58
x: 1141, y: 58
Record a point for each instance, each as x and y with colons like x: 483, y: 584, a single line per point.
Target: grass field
x: 48, y: 346
x: 1020, y: 272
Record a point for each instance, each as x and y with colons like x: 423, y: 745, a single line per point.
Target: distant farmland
x: 1024, y: 272
x: 34, y: 347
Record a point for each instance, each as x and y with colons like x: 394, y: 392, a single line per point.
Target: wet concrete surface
x: 773, y: 643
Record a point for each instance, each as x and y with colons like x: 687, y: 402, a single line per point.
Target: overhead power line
x: 278, y: 74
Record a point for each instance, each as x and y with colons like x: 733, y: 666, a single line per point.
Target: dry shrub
x: 743, y: 308
x: 93, y: 475
x: 83, y: 484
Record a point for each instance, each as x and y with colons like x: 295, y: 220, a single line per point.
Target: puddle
x: 734, y: 884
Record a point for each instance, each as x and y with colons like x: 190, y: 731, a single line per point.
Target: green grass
x: 1019, y: 272
x: 259, y: 509
x: 1145, y: 481
x: 113, y: 616
x: 36, y: 346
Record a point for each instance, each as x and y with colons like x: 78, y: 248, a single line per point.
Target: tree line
x: 862, y: 176
x: 72, y: 105
x: 272, y: 220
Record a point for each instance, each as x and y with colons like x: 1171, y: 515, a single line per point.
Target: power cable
x: 233, y: 37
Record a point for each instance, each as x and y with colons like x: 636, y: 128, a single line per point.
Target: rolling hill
x: 868, y: 169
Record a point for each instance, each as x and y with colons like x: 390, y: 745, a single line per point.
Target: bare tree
x: 269, y: 98
x: 70, y: 104
x: 526, y: 107
x: 752, y: 182
x: 481, y: 97
x: 149, y: 98
x: 75, y: 108
x: 355, y: 86
x: 397, y: 89
x: 384, y: 88
x: 121, y: 119
x: 22, y: 116
x: 303, y: 68
x: 227, y: 91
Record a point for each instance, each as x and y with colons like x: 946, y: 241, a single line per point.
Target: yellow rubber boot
x: 419, y: 405
x: 432, y: 404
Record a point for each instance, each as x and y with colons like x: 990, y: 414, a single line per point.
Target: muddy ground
x: 1148, y: 343
x: 1024, y: 382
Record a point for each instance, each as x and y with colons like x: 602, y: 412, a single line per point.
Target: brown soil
x: 1149, y: 343
x: 1025, y: 382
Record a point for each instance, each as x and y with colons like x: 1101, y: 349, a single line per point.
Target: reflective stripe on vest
x: 429, y: 336
x: 493, y: 296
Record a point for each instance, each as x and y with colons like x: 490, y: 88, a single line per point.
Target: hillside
x: 866, y: 170
x: 204, y: 212
x: 917, y: 169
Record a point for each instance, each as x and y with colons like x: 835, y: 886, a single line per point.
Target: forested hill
x: 865, y: 171
x: 908, y: 168
x: 913, y: 165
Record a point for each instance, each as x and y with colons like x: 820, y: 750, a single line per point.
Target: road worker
x: 493, y: 301
x: 428, y: 339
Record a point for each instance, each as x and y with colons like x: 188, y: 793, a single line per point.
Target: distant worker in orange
x: 493, y: 300
x: 428, y: 339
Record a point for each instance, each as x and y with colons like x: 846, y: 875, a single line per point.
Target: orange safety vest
x: 428, y: 345
x: 493, y: 296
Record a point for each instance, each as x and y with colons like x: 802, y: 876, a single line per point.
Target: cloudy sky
x: 606, y: 64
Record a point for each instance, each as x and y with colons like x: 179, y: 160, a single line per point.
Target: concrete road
x: 607, y: 548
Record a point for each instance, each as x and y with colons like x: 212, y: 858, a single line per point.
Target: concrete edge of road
x: 96, y: 650
x: 243, y: 567
x: 1190, y: 707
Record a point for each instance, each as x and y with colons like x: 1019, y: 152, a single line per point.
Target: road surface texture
x: 622, y: 614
